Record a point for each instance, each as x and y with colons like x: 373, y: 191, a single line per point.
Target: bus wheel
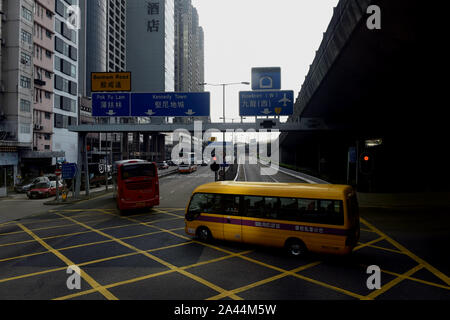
x: 295, y: 247
x: 203, y: 234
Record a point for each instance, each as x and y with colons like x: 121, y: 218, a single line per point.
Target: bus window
x: 254, y: 206
x: 321, y: 211
x: 230, y: 204
x: 288, y: 209
x: 199, y: 204
x: 271, y: 207
x: 138, y: 170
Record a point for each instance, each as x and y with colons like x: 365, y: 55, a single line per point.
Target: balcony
x: 39, y: 82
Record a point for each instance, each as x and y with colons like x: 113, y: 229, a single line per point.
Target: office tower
x: 150, y: 45
x: 189, y: 52
x: 65, y: 82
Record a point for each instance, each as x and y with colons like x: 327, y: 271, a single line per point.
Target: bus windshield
x: 138, y: 170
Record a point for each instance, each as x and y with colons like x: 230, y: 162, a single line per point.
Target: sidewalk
x: 404, y: 200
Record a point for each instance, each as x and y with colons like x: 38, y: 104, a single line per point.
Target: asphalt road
x: 147, y: 255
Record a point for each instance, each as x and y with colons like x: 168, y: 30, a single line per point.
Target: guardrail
x: 295, y: 174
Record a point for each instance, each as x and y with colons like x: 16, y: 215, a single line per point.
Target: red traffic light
x: 366, y: 158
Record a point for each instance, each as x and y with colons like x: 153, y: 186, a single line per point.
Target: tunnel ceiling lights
x: 373, y: 143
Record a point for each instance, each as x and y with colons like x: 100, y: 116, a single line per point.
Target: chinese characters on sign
x: 168, y: 104
x: 152, y: 10
x: 110, y: 81
x: 266, y: 103
x: 112, y: 104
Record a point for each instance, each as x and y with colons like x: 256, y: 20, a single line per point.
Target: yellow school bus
x: 297, y: 217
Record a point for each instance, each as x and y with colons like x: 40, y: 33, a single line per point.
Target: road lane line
x: 420, y: 261
x: 267, y: 280
x: 94, y: 284
x: 161, y: 261
x: 48, y: 228
x: 153, y: 275
x: 80, y: 245
x: 415, y: 279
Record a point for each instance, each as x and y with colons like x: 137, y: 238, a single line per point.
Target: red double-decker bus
x: 136, y: 184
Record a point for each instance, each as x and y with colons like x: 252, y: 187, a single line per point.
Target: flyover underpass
x: 375, y: 84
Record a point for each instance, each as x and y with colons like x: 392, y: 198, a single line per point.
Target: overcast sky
x: 241, y: 34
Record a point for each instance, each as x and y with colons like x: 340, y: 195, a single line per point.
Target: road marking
x: 420, y: 261
x: 153, y: 275
x: 48, y: 228
x: 267, y: 280
x: 386, y: 249
x: 86, y: 263
x: 165, y: 263
x: 80, y: 245
x: 416, y: 279
x: 94, y: 284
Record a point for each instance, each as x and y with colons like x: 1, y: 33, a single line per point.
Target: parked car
x: 43, y: 190
x: 29, y: 184
x: 95, y: 180
x: 51, y: 177
x: 162, y: 165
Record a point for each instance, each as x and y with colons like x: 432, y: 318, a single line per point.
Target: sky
x: 243, y: 34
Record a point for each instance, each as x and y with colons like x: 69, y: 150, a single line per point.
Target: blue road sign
x: 266, y: 78
x: 170, y: 104
x: 110, y: 104
x: 266, y: 103
x: 69, y: 170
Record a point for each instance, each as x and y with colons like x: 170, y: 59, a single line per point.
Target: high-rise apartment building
x: 16, y: 88
x: 65, y: 82
x: 43, y: 52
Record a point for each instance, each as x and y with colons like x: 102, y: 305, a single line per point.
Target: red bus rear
x: 136, y: 184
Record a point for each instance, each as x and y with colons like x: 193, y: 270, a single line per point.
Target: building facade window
x: 25, y: 106
x: 27, y: 14
x: 25, y: 82
x: 26, y: 37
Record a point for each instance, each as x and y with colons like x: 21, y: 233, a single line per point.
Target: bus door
x: 232, y: 222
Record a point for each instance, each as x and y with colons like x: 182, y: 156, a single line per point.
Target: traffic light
x: 366, y: 163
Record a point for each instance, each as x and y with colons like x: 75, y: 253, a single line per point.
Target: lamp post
x: 223, y: 107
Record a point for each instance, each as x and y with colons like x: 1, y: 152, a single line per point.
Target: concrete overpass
x: 375, y: 84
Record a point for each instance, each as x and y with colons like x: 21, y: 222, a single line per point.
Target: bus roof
x: 295, y: 190
x: 117, y: 163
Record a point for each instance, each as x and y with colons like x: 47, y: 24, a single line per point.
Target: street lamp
x: 223, y: 86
